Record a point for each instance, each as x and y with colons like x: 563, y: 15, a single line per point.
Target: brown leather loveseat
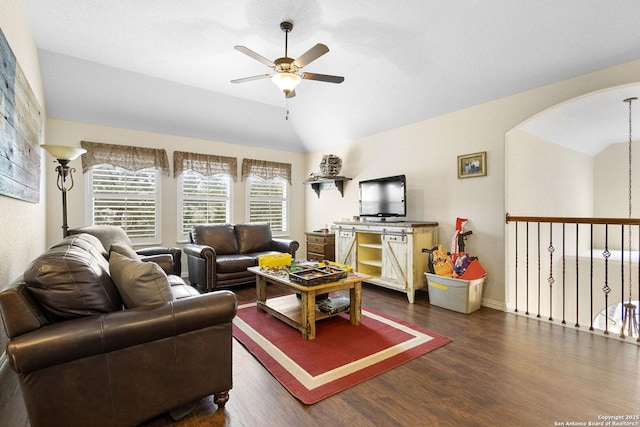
x: 219, y: 254
x: 113, y: 343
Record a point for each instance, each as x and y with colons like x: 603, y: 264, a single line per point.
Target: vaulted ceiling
x: 165, y: 65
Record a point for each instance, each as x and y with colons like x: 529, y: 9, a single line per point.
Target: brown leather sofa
x: 169, y: 258
x: 219, y: 255
x: 83, y: 359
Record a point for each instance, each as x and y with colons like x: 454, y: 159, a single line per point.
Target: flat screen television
x: 383, y: 197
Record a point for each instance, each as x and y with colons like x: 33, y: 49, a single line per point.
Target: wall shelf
x: 328, y: 183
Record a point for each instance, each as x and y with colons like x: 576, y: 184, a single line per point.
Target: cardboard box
x: 463, y: 296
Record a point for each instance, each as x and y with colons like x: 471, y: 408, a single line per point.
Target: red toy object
x: 474, y: 271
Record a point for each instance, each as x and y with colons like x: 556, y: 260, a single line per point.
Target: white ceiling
x: 590, y: 123
x: 165, y: 65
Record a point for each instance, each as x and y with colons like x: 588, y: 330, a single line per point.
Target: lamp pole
x: 63, y: 171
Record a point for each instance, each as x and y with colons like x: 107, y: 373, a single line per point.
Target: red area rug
x: 341, y: 356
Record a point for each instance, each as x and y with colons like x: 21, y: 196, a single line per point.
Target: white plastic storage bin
x: 463, y: 296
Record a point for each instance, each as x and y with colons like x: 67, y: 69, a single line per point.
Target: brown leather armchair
x: 169, y: 258
x: 81, y: 359
x: 219, y: 254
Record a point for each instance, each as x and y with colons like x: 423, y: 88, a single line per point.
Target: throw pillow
x: 124, y: 249
x: 139, y: 283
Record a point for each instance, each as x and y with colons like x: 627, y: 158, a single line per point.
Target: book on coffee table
x: 334, y: 304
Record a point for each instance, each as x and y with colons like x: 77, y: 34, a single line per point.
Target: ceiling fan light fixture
x: 286, y: 82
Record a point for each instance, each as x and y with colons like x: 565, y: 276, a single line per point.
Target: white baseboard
x: 496, y: 305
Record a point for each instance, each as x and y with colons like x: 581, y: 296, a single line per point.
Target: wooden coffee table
x: 301, y: 313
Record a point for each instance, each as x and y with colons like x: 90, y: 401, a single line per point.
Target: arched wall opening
x: 572, y: 160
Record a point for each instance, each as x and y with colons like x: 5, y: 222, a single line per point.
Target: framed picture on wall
x: 472, y: 165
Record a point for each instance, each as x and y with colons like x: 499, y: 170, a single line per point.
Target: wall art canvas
x: 21, y: 130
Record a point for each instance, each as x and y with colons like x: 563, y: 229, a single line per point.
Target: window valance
x: 266, y: 170
x: 124, y: 156
x: 205, y: 164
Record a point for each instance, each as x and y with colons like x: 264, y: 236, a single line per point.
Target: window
x: 126, y: 199
x: 204, y: 189
x: 268, y: 203
x: 202, y: 200
x: 123, y: 185
x: 268, y: 193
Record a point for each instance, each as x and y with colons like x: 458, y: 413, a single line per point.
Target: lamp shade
x: 63, y: 152
x: 286, y: 82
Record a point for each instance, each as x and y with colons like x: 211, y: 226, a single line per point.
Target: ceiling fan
x: 286, y: 69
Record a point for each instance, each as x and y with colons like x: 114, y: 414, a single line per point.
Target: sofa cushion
x: 220, y: 237
x: 183, y: 291
x: 124, y: 250
x: 253, y: 237
x: 71, y: 279
x: 233, y: 263
x: 140, y: 283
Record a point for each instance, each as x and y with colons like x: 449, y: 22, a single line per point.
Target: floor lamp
x: 64, y: 155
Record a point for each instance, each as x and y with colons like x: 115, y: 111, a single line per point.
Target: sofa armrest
x: 74, y: 339
x: 199, y: 251
x: 170, y: 259
x: 165, y: 261
x: 201, y: 262
x: 285, y: 245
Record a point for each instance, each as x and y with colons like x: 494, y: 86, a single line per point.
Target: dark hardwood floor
x: 500, y: 370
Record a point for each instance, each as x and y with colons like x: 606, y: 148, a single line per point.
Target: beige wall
x: 23, y: 223
x: 71, y: 133
x: 547, y: 179
x: 427, y: 151
x: 611, y: 181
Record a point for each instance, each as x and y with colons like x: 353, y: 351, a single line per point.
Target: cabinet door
x: 346, y: 247
x: 395, y: 262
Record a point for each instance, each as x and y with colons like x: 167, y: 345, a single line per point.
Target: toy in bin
x: 455, y: 279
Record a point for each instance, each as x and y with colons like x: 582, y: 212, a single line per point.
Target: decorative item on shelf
x: 330, y: 165
x: 64, y: 155
x: 313, y: 177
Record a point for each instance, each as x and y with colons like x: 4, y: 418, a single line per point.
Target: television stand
x: 384, y: 219
x: 391, y: 252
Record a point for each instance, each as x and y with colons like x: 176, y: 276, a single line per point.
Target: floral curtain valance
x: 266, y: 170
x: 124, y: 156
x: 204, y: 164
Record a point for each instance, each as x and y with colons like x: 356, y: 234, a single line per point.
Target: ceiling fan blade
x: 291, y: 94
x: 255, y: 56
x: 248, y: 79
x: 323, y: 77
x: 311, y: 55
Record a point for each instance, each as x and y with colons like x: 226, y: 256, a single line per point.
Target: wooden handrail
x: 573, y: 220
